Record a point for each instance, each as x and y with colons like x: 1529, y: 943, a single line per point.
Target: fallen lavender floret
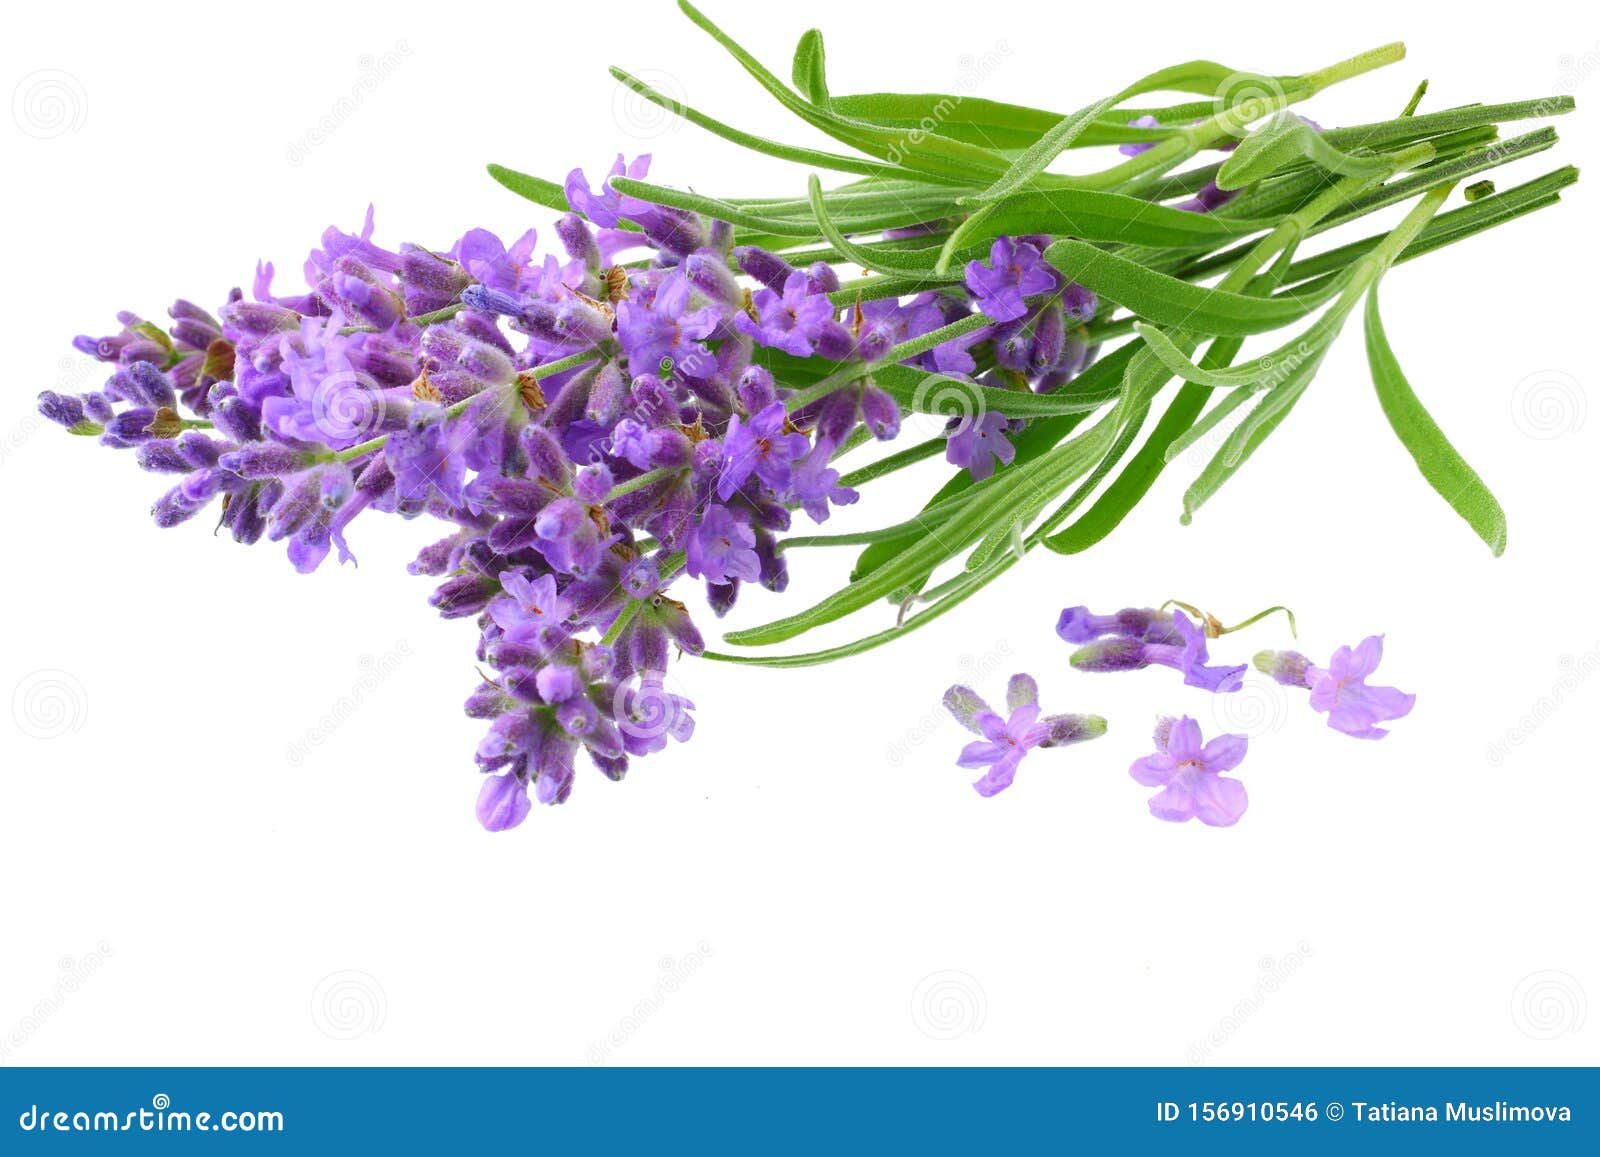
x: 1188, y: 654
x: 1189, y: 774
x: 1340, y: 689
x: 1007, y: 739
x: 1080, y: 625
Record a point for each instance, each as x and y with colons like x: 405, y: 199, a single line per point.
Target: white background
x: 811, y: 880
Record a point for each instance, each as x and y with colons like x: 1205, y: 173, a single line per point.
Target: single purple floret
x: 1190, y: 775
x: 761, y: 447
x: 1007, y: 739
x: 1015, y: 271
x: 792, y: 321
x: 722, y: 548
x: 424, y: 455
x: 665, y: 334
x: 528, y: 605
x: 978, y: 443
x: 1340, y: 689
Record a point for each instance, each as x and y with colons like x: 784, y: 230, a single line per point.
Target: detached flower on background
x: 1007, y: 739
x: 1180, y: 645
x: 1189, y: 774
x: 1340, y: 690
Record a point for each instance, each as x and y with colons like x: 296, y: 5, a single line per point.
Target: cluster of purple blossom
x: 1186, y: 769
x: 586, y: 430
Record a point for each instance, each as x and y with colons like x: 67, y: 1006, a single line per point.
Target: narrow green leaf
x: 1444, y: 468
x: 1199, y: 76
x: 1136, y: 478
x: 888, y: 262
x: 1284, y: 139
x: 1040, y: 436
x: 1093, y: 215
x: 929, y: 152
x: 813, y: 157
x: 931, y: 393
x: 810, y: 68
x: 535, y: 189
x: 1170, y: 302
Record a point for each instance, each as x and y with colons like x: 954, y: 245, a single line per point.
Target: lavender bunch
x: 659, y: 394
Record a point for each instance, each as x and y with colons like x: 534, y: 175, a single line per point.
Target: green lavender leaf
x: 1219, y: 470
x: 810, y: 71
x: 1137, y: 477
x: 1199, y: 76
x: 1100, y: 379
x: 930, y: 153
x: 958, y: 593
x: 535, y: 189
x: 1440, y: 463
x: 1168, y: 301
x: 931, y: 393
x: 1412, y: 128
x: 889, y: 262
x: 867, y: 219
x: 813, y: 157
x: 899, y: 460
x: 1283, y: 140
x: 1093, y: 215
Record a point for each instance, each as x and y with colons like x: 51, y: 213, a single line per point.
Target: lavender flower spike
x: 1006, y: 740
x: 1340, y: 690
x: 1190, y: 775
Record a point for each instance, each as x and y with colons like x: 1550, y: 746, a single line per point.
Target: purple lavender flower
x: 1015, y: 271
x: 503, y: 802
x: 426, y: 458
x: 793, y: 321
x: 530, y: 608
x: 1190, y: 775
x: 814, y: 484
x: 1007, y: 739
x: 978, y: 443
x: 722, y: 548
x: 762, y: 447
x: 608, y: 207
x: 1079, y: 625
x: 1189, y: 656
x: 666, y: 333
x: 1340, y: 689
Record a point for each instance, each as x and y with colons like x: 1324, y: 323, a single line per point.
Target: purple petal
x: 982, y: 753
x: 1183, y: 741
x: 1219, y: 802
x: 1153, y: 770
x: 1000, y: 776
x: 1224, y: 753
